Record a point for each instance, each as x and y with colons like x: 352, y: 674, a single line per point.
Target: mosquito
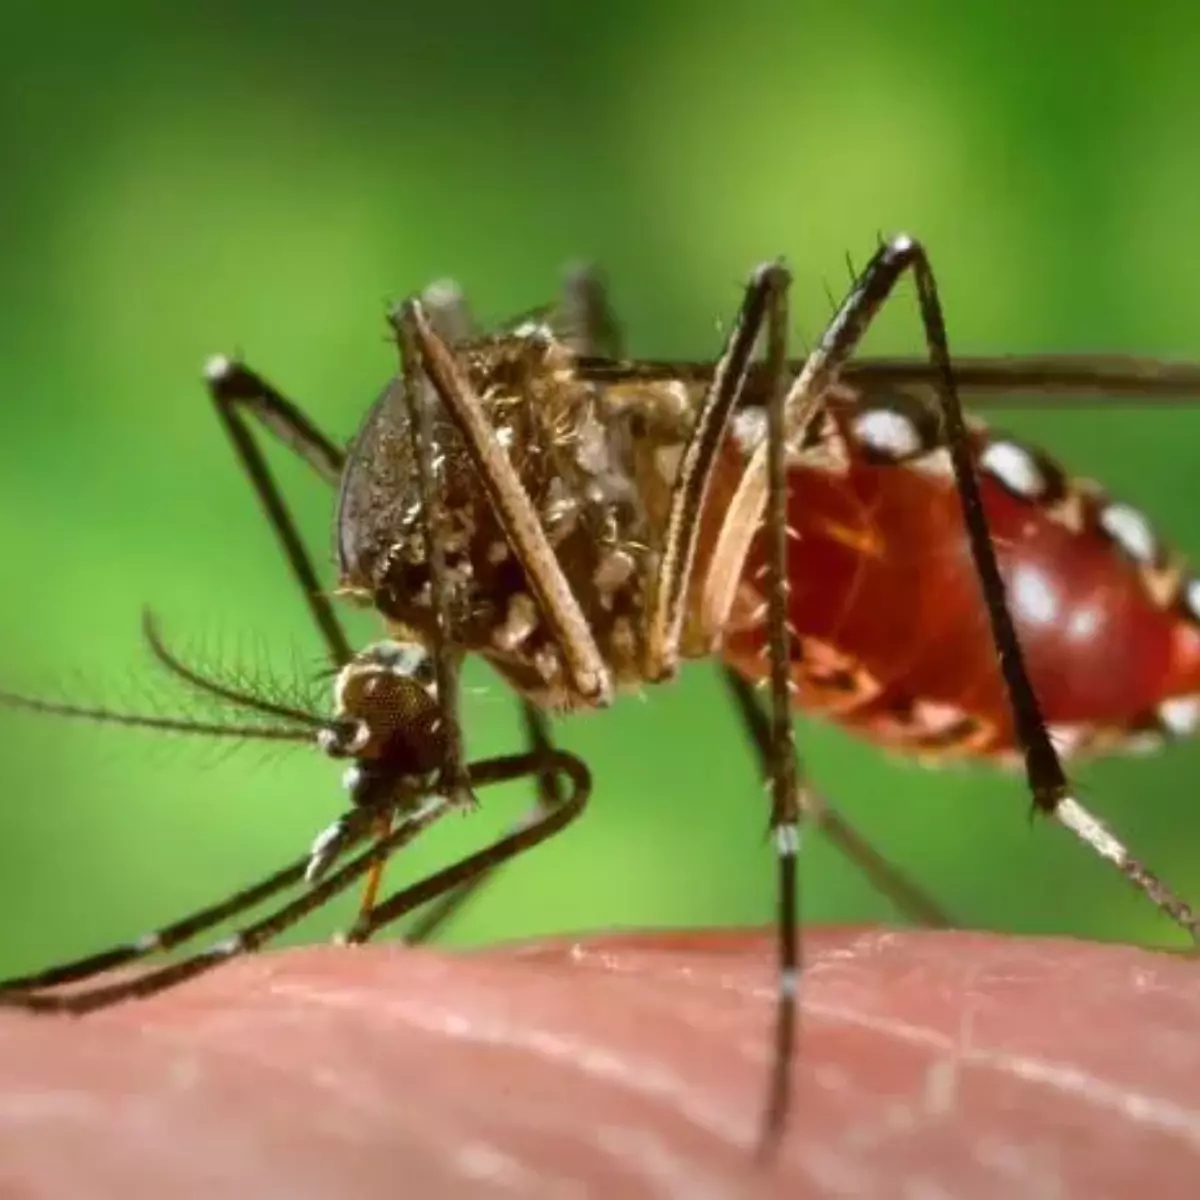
x: 586, y: 523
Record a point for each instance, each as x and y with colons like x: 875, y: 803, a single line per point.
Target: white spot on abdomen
x: 1191, y: 597
x: 888, y: 433
x: 1084, y: 623
x: 1033, y: 596
x: 1131, y: 531
x: 1014, y: 467
x: 1180, y: 714
x: 932, y: 717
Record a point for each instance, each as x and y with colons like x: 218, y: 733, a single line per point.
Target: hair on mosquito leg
x: 586, y: 321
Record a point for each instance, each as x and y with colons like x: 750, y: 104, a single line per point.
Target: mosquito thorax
x: 596, y: 462
x: 386, y: 716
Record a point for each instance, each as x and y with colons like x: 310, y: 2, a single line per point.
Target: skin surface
x: 934, y: 1064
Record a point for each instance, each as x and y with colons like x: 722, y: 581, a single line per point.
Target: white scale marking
x: 1191, y: 597
x: 787, y: 840
x: 1131, y: 531
x: 1180, y: 714
x: 217, y: 368
x: 1069, y: 739
x: 227, y: 948
x: 1033, y: 595
x: 1076, y: 818
x: 934, y: 717
x: 887, y: 432
x: 1014, y: 467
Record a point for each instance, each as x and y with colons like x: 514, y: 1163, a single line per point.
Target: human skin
x: 931, y: 1064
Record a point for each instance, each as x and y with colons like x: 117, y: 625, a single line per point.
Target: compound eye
x: 381, y: 699
x: 388, y: 691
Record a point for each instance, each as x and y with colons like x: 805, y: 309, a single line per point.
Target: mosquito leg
x: 688, y: 493
x: 1047, y: 782
x: 439, y: 915
x: 764, y: 310
x: 161, y: 940
x: 418, y: 395
x: 883, y: 875
x: 589, y: 674
x: 236, y: 390
x: 251, y: 938
x: 588, y: 312
x: 454, y: 782
x: 426, y: 357
x: 688, y: 503
x: 177, y: 933
x: 585, y: 321
x: 419, y: 814
x: 537, y: 735
x: 459, y: 874
x: 449, y: 314
x: 295, y: 725
x: 784, y: 768
x: 1049, y: 380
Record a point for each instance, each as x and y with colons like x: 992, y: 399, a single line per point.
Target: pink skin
x: 956, y: 1064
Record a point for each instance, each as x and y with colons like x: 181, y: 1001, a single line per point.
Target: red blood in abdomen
x: 882, y: 572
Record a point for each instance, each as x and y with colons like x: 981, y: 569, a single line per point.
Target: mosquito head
x: 386, y: 717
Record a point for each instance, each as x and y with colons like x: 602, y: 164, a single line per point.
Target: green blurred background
x: 266, y: 178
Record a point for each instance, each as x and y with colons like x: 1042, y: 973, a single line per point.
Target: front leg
x: 237, y: 392
x: 585, y: 321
